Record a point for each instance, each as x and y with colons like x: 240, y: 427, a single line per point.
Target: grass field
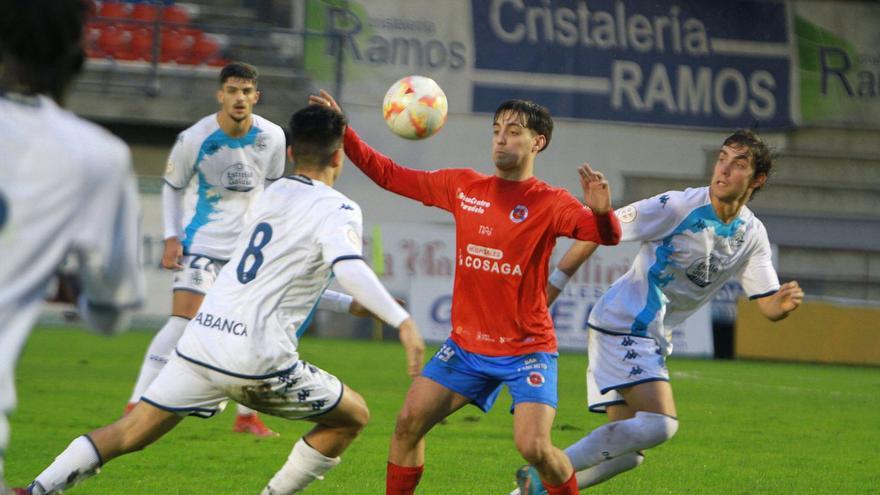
x: 746, y: 427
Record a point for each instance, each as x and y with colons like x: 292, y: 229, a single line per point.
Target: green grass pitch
x: 746, y: 427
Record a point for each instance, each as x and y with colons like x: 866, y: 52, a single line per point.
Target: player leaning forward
x: 242, y: 344
x: 505, y: 227
x: 693, y: 241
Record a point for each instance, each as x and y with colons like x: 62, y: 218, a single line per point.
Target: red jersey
x: 505, y: 232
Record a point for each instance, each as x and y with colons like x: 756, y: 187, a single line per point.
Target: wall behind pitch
x: 819, y: 331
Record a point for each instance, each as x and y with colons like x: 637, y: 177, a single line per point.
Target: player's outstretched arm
x: 783, y: 302
x: 576, y: 255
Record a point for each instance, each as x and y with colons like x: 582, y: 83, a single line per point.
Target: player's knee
x: 408, y: 426
x: 656, y: 428
x: 535, y: 451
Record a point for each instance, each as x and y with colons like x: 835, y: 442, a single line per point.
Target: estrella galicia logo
x: 535, y: 379
x: 260, y: 142
x: 664, y: 199
x: 519, y: 213
x: 239, y: 177
x: 704, y: 271
x: 4, y: 210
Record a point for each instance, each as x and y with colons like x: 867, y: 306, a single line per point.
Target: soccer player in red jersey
x: 506, y: 226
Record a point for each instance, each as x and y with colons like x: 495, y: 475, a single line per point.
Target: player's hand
x: 597, y: 192
x: 413, y: 345
x: 358, y: 309
x: 790, y: 296
x: 323, y: 98
x: 172, y: 255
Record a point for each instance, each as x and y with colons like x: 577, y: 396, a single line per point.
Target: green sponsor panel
x: 347, y: 20
x: 839, y: 67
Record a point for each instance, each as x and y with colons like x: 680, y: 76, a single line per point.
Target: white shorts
x: 198, y: 274
x: 300, y: 392
x: 620, y: 361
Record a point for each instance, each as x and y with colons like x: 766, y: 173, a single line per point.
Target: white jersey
x: 687, y: 254
x: 264, y: 298
x: 230, y: 173
x: 67, y: 187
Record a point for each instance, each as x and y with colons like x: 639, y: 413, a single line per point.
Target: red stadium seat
x: 111, y: 41
x: 142, y: 44
x: 175, y: 14
x: 144, y: 12
x: 204, y: 49
x: 174, y: 46
x: 113, y: 10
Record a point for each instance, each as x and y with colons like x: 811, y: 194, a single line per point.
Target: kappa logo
x: 519, y: 213
x: 630, y: 354
x: 636, y: 370
x: 535, y: 379
x: 344, y: 206
x: 664, y: 199
x: 626, y: 342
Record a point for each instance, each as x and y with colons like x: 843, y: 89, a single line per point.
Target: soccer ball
x: 415, y: 107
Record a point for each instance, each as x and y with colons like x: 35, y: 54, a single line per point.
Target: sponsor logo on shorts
x: 636, y: 371
x: 221, y: 324
x: 626, y: 342
x: 630, y: 354
x: 535, y: 379
x: 519, y: 213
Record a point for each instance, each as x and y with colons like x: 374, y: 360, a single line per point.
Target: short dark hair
x: 238, y: 70
x: 537, y: 118
x: 315, y: 133
x: 41, y: 43
x: 761, y: 154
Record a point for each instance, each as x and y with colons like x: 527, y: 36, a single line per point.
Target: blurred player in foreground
x: 693, y: 241
x: 242, y: 344
x: 67, y: 187
x: 506, y: 226
x: 230, y: 155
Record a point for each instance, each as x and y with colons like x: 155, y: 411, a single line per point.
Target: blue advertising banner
x: 683, y: 63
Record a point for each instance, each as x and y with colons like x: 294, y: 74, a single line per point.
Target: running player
x: 506, y: 227
x: 693, y: 241
x: 242, y: 343
x: 230, y: 155
x: 68, y: 187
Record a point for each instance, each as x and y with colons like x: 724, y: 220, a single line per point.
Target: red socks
x: 402, y: 480
x: 570, y: 487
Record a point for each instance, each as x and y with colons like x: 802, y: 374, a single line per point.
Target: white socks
x: 614, y: 439
x: 158, y: 354
x: 608, y: 469
x: 244, y: 410
x: 303, y: 466
x: 80, y: 460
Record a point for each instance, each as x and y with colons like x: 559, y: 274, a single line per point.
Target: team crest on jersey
x: 239, y: 177
x: 627, y: 214
x: 260, y: 142
x: 739, y: 237
x: 703, y: 272
x: 535, y: 379
x: 353, y: 238
x: 519, y: 213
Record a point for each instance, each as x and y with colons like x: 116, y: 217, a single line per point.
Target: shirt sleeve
x: 578, y: 222
x: 340, y: 234
x: 652, y: 218
x: 432, y: 188
x: 758, y: 277
x: 107, y: 243
x: 179, y: 169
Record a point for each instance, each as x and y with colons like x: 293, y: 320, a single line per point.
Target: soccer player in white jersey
x: 68, y: 187
x: 693, y: 241
x: 242, y: 344
x: 220, y: 164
